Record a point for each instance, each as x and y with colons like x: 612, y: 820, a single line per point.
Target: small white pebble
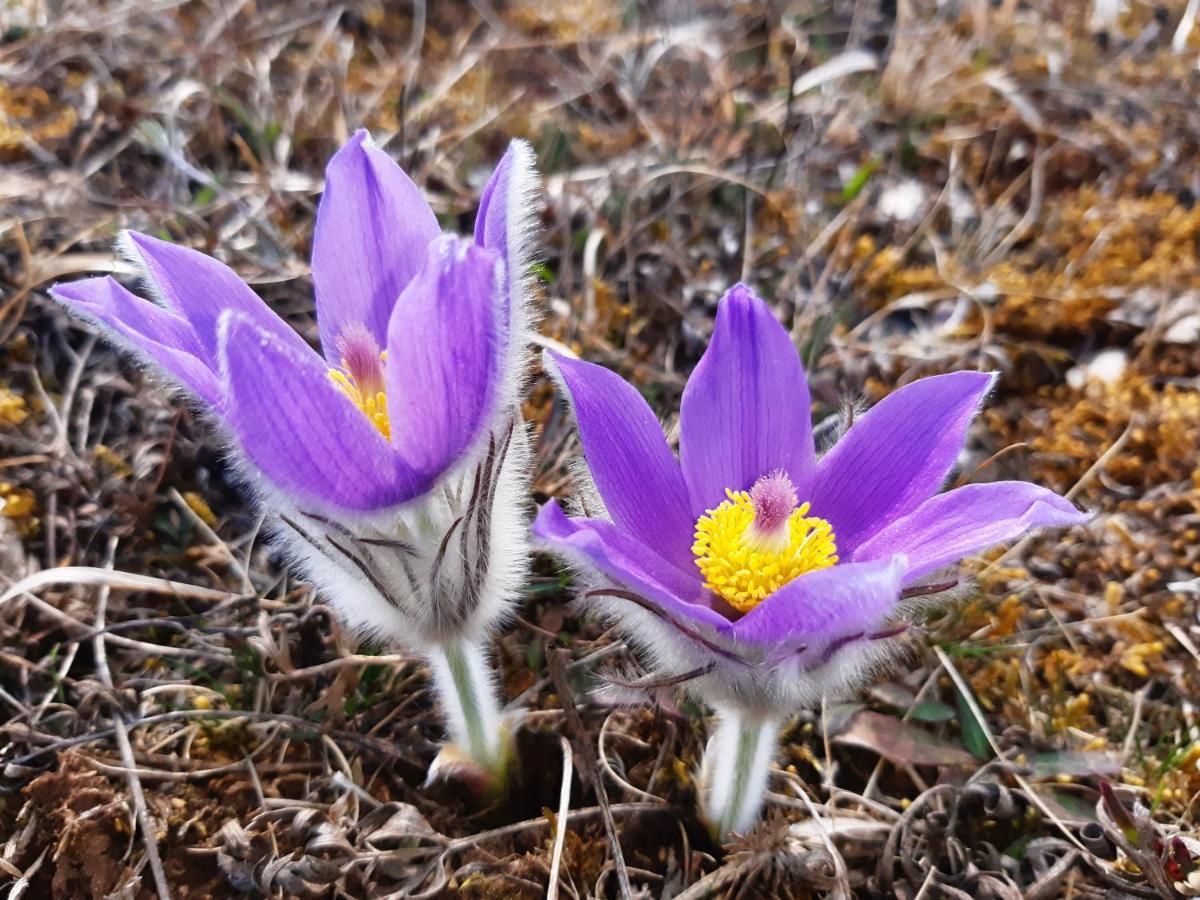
x: 1106, y: 366
x: 903, y: 202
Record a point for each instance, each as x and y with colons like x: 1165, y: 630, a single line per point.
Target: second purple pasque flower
x: 766, y: 574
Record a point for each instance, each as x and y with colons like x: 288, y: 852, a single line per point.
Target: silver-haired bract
x: 393, y: 466
x: 768, y: 576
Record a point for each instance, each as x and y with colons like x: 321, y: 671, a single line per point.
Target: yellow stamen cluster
x: 743, y: 569
x: 372, y: 403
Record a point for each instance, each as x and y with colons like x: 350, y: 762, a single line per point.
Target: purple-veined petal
x: 373, y: 228
x: 507, y: 205
x: 506, y: 223
x: 302, y: 433
x: 746, y: 410
x: 896, y: 456
x: 635, y: 471
x: 200, y: 289
x: 491, y: 222
x: 106, y: 299
x: 825, y: 605
x: 626, y: 560
x: 446, y: 342
x: 146, y: 330
x: 966, y: 520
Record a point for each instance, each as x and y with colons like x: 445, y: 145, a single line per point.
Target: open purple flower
x: 392, y: 464
x: 769, y: 575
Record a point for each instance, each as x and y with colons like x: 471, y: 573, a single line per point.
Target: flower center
x: 360, y: 375
x: 758, y: 540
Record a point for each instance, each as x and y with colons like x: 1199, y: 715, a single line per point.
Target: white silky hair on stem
x: 467, y: 692
x: 737, y: 761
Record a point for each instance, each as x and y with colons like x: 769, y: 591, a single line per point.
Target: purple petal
x: 373, y: 228
x: 445, y: 346
x: 746, y: 410
x: 896, y: 456
x: 300, y: 430
x: 634, y: 469
x: 505, y: 223
x: 199, y: 288
x: 825, y: 605
x: 953, y: 525
x: 144, y: 329
x: 506, y: 208
x: 626, y: 560
x: 491, y: 229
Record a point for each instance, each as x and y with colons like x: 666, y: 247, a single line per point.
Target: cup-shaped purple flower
x: 392, y: 465
x: 761, y: 574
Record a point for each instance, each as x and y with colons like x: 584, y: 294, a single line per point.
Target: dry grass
x: 1003, y: 190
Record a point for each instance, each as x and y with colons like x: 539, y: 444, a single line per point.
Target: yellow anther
x: 373, y: 405
x: 742, y: 567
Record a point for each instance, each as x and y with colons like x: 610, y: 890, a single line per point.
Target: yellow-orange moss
x: 13, y: 410
x: 1067, y: 429
x: 1086, y: 251
x: 28, y: 113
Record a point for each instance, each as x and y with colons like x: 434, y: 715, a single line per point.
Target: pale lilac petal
x: 506, y: 208
x: 300, y: 430
x: 200, y: 289
x: 506, y: 223
x: 491, y: 222
x: 746, y: 410
x: 825, y: 605
x: 897, y: 456
x: 634, y: 469
x: 445, y: 346
x: 958, y: 523
x: 106, y: 299
x: 628, y: 562
x: 373, y: 229
x: 145, y: 330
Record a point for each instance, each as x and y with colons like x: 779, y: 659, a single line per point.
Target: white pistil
x: 774, y: 498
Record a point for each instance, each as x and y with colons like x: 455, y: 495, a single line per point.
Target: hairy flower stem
x: 465, y: 686
x: 736, y: 763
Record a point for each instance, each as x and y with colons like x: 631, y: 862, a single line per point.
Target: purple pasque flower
x: 775, y: 573
x: 392, y: 463
x: 756, y: 574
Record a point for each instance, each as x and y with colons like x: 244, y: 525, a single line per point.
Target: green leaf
x: 973, y: 733
x: 536, y: 589
x: 1018, y: 848
x: 956, y: 649
x: 932, y: 711
x: 535, y: 656
x: 859, y: 180
x: 1074, y: 806
x: 542, y: 271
